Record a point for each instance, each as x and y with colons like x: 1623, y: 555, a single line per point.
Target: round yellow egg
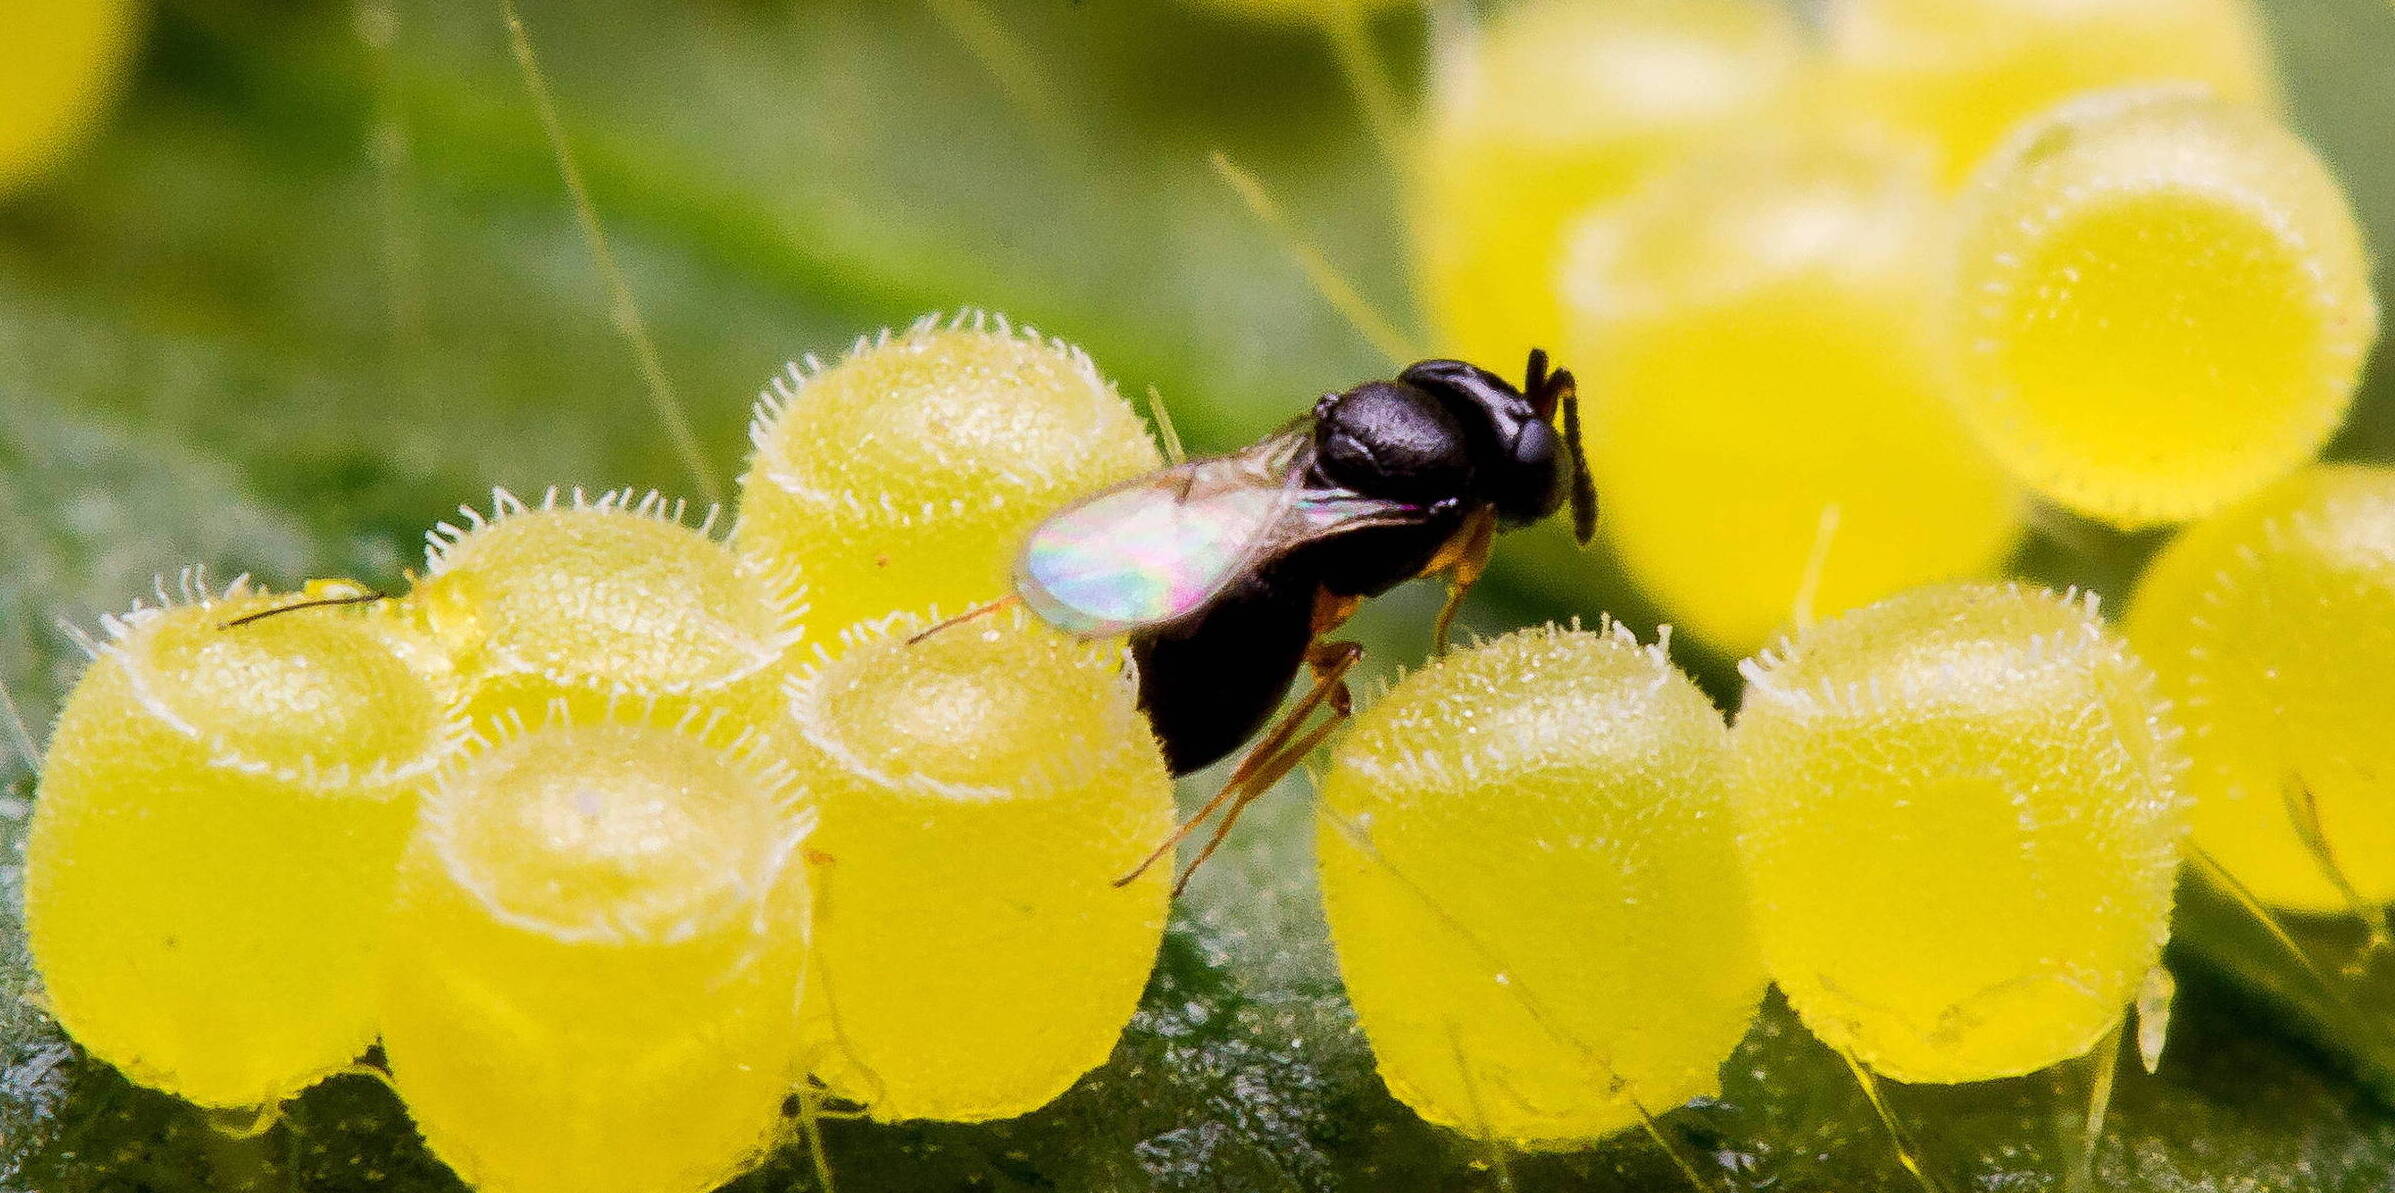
x: 596, y: 959
x: 980, y: 792
x: 905, y: 476
x: 2272, y: 625
x: 220, y: 815
x: 608, y: 601
x: 1960, y: 814
x: 1530, y: 875
x: 2160, y: 302
x: 1554, y: 107
x: 1767, y: 396
x: 61, y: 60
x: 1958, y: 74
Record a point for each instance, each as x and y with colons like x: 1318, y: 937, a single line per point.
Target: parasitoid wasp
x: 1227, y: 572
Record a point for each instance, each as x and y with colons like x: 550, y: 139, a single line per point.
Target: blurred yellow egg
x: 60, y: 60
x: 220, y: 817
x: 980, y: 792
x: 1960, y: 815
x: 905, y: 476
x: 1529, y: 871
x: 1959, y: 74
x: 596, y: 960
x: 2161, y: 304
x: 1553, y: 108
x: 2272, y: 625
x: 1766, y: 392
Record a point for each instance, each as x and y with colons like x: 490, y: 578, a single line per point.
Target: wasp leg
x: 1271, y: 758
x: 1464, y: 566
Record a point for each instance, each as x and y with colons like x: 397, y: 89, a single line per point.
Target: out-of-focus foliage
x: 308, y: 290
x: 62, y: 60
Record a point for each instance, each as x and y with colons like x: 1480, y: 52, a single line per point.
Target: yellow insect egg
x: 1530, y: 873
x: 2161, y: 304
x: 2272, y: 626
x: 905, y: 476
x: 1557, y: 106
x: 62, y: 59
x: 606, y: 601
x: 980, y: 792
x: 1959, y: 73
x: 1766, y: 390
x: 595, y: 961
x: 1960, y: 816
x: 220, y: 816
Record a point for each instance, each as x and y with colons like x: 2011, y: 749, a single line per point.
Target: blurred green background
x: 314, y: 282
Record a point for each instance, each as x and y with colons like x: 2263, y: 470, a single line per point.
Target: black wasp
x: 1226, y: 572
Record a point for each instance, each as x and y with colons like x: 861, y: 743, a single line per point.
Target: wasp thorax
x: 1725, y: 319
x: 903, y: 477
x: 1557, y: 106
x: 2162, y: 304
x: 211, y: 861
x: 1529, y: 873
x: 595, y: 960
x: 2272, y: 625
x: 1956, y: 74
x: 980, y: 792
x: 1960, y: 814
x: 606, y: 600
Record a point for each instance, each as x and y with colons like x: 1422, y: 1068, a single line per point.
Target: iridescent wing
x: 1158, y: 548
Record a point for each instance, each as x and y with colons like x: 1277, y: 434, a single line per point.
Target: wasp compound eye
x: 1537, y: 477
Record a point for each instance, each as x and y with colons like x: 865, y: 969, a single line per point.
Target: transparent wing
x: 1158, y: 548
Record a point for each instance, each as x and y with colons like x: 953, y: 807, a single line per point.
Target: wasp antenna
x: 1584, y: 486
x: 1534, y: 381
x: 355, y: 598
x: 974, y: 613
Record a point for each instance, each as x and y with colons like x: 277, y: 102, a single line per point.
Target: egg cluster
x: 1841, y: 298
x: 614, y: 834
x: 604, y: 835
